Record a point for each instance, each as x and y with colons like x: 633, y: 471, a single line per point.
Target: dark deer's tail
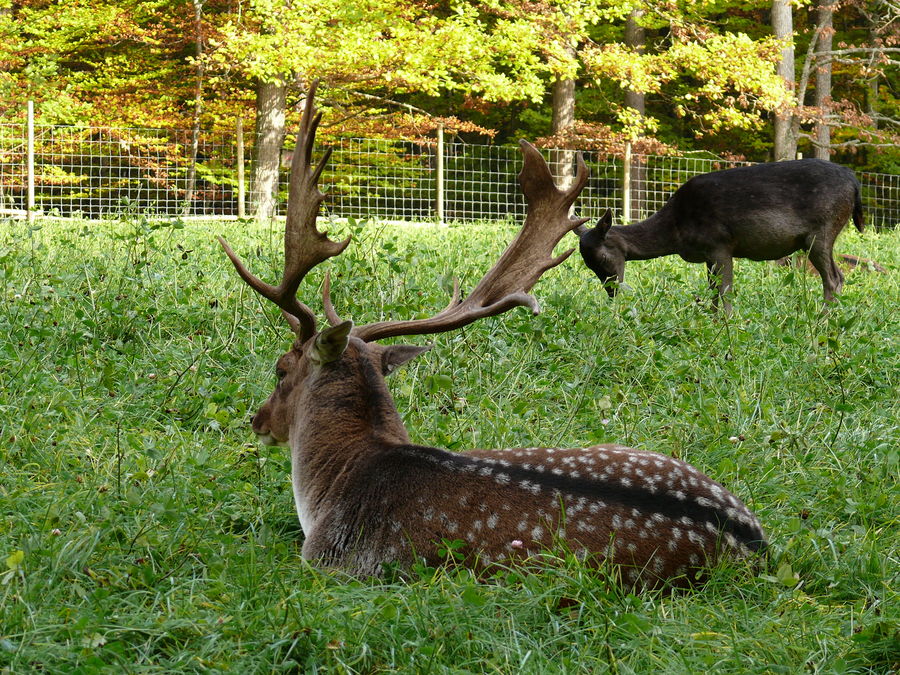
x: 858, y: 210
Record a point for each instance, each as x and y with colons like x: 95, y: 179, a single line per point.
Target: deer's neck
x: 340, y: 422
x: 650, y: 238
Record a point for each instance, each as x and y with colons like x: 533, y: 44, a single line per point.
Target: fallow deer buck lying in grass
x: 367, y: 497
x: 760, y: 212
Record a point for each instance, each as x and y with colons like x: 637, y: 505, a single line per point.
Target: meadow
x: 143, y: 530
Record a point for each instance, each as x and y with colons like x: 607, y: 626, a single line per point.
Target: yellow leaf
x: 15, y: 559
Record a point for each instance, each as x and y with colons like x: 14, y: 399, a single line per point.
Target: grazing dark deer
x: 760, y: 212
x: 366, y: 496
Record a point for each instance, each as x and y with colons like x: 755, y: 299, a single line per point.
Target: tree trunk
x: 783, y: 27
x: 871, y: 92
x: 635, y: 38
x: 270, y: 113
x: 563, y: 105
x: 198, y: 110
x: 824, y: 15
x: 562, y: 162
x: 563, y: 111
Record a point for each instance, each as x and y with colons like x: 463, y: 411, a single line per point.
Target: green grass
x: 143, y: 530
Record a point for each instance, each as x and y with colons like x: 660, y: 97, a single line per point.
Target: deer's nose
x: 260, y: 422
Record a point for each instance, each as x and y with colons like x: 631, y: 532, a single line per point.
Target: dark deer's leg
x: 839, y: 275
x: 822, y: 259
x: 720, y: 275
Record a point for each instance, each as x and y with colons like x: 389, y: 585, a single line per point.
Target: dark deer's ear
x: 330, y: 343
x: 605, y: 222
x: 395, y: 356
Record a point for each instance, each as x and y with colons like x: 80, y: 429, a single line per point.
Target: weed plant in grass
x: 142, y: 530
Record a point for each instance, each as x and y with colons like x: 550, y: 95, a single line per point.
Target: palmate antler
x: 505, y: 286
x: 304, y: 246
x: 528, y: 256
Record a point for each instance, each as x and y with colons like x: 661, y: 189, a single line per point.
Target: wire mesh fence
x: 98, y: 172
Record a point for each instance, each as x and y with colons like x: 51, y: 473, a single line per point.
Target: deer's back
x: 763, y: 211
x: 656, y: 516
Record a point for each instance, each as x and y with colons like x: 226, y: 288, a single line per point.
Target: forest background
x: 757, y: 80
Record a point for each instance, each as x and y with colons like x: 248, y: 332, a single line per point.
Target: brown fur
x: 368, y: 498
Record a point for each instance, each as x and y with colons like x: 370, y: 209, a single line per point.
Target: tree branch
x: 807, y: 63
x: 863, y: 50
x: 388, y: 101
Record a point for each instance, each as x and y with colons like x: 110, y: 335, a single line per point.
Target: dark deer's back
x: 764, y: 211
x: 760, y: 212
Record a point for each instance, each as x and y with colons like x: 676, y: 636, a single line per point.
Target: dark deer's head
x: 602, y: 254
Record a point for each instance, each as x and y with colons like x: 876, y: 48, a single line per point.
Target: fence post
x: 29, y: 205
x: 439, y: 178
x: 241, y: 205
x: 626, y: 184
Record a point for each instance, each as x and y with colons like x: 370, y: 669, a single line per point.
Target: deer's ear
x: 605, y: 222
x: 328, y: 345
x: 395, y: 356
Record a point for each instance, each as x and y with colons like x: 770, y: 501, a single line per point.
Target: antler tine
x: 330, y: 314
x: 304, y: 246
x: 528, y: 256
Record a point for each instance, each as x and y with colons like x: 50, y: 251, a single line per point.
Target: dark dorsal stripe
x: 610, y: 491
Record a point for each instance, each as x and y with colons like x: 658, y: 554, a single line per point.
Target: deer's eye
x: 280, y: 373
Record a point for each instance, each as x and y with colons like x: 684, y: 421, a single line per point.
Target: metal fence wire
x: 97, y: 172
